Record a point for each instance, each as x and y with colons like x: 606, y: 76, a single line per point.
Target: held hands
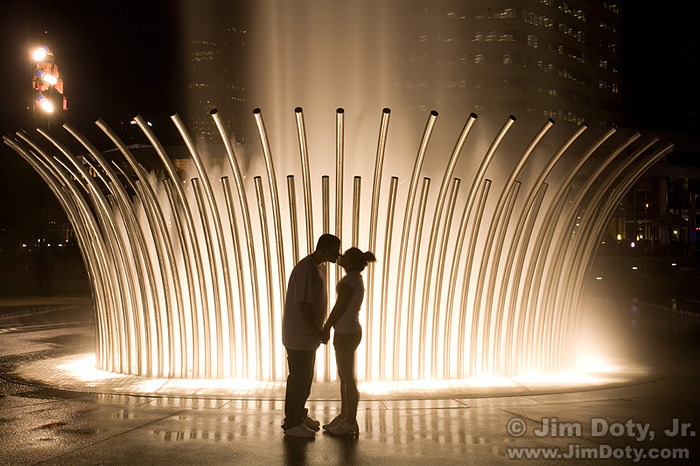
x: 324, y: 334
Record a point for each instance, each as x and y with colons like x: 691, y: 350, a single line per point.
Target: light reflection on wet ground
x: 42, y: 425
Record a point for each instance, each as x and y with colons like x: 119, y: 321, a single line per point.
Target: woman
x: 345, y: 320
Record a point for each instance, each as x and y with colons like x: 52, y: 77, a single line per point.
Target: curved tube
x: 491, y: 236
x: 521, y: 235
x: 118, y: 244
x: 306, y: 178
x: 373, y: 218
x: 405, y: 230
x: 410, y: 330
x: 436, y: 218
x: 128, y: 215
x: 573, y: 319
x: 437, y: 311
x: 508, y: 208
x: 339, y: 178
x: 326, y: 224
x: 534, y: 324
x: 163, y: 248
x: 356, y: 210
x: 216, y: 216
x: 563, y: 238
x: 462, y: 322
x: 274, y: 200
x: 243, y: 199
x: 218, y: 321
x: 106, y: 253
x: 589, y: 221
x: 537, y: 261
x: 271, y: 314
x: 385, y: 276
x: 438, y: 214
x: 167, y: 185
x: 517, y: 311
x: 125, y: 322
x: 376, y: 186
x: 241, y: 286
x: 291, y: 192
x: 90, y: 249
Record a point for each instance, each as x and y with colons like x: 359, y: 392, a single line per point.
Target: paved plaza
x: 640, y: 419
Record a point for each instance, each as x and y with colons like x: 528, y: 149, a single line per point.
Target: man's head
x: 327, y: 248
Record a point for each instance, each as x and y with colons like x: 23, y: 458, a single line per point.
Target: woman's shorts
x: 347, y: 341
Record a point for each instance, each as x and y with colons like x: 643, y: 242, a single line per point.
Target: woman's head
x: 355, y: 260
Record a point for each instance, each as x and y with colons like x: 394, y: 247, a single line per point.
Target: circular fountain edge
x: 76, y: 373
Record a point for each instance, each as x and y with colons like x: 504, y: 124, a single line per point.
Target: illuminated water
x: 477, y: 274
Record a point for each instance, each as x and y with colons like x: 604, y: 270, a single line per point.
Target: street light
x: 46, y: 79
x: 47, y: 92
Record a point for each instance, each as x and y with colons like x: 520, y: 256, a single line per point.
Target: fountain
x: 485, y: 277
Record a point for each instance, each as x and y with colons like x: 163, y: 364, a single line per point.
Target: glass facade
x: 552, y: 58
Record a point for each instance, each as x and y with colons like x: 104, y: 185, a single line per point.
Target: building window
x: 608, y: 86
x: 505, y: 13
x: 608, y: 45
x: 532, y: 41
x: 610, y: 6
x: 581, y: 15
x: 608, y: 26
x: 535, y: 19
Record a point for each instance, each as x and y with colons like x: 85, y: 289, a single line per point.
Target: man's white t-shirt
x: 349, y: 322
x: 306, y: 285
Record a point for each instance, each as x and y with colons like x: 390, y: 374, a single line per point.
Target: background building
x: 543, y: 58
x: 217, y: 48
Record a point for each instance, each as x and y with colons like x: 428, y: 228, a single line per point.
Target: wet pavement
x: 43, y: 425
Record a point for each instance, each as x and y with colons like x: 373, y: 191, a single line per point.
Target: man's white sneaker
x: 300, y: 431
x: 312, y: 424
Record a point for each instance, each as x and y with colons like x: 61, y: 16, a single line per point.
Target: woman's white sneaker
x: 334, y: 423
x: 345, y: 428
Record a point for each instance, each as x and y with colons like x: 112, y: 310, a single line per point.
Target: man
x: 302, y: 332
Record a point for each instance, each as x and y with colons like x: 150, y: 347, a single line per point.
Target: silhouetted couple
x: 303, y: 330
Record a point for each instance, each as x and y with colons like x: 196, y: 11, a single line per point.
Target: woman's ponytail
x: 359, y: 259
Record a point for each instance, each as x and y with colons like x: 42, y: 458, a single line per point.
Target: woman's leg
x: 349, y: 393
x: 343, y: 386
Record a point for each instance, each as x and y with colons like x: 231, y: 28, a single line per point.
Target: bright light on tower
x: 48, y: 78
x: 40, y: 53
x: 45, y: 104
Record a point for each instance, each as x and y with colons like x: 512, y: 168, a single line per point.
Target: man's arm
x: 308, y: 316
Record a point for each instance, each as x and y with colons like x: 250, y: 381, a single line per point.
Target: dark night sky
x: 116, y: 58
x: 119, y: 59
